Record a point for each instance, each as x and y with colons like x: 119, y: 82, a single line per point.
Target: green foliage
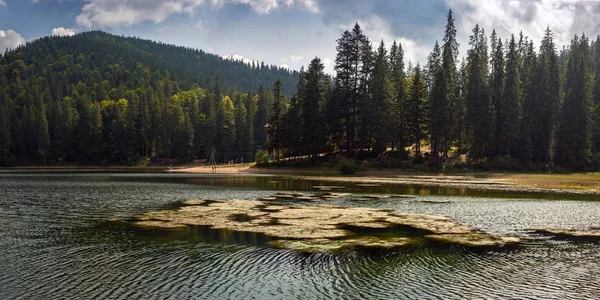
x: 99, y: 98
x: 261, y: 157
x: 573, y: 136
x: 348, y: 166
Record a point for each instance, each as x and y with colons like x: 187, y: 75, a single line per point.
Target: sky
x: 292, y: 32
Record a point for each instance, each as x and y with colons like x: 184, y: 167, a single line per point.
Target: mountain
x: 95, y: 56
x: 101, y: 98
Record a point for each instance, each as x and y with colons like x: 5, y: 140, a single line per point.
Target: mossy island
x: 323, y: 228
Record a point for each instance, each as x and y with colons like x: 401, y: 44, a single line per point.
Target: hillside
x: 94, y: 56
x: 101, y: 98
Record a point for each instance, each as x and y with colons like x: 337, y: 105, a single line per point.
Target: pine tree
x: 346, y: 82
x: 399, y: 125
x: 497, y: 90
x: 276, y: 119
x: 312, y: 100
x: 573, y: 137
x: 6, y: 156
x: 378, y: 111
x: 477, y: 95
x: 546, y: 92
x: 436, y: 100
x: 417, y: 107
x: 596, y: 106
x: 261, y: 119
x: 528, y: 66
x: 43, y: 135
x: 225, y: 137
x: 511, y: 106
x: 448, y: 85
x: 242, y: 138
x: 459, y: 109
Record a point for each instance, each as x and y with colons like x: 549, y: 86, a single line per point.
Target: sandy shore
x: 244, y: 169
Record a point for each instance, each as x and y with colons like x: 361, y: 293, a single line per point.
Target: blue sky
x: 292, y: 32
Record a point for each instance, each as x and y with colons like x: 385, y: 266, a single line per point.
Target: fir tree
x: 276, y: 119
x: 511, y: 105
x: 477, y: 95
x: 417, y: 107
x: 399, y: 125
x: 573, y: 138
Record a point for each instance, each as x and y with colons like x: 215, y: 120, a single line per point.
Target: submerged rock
x: 328, y: 245
x: 475, y: 240
x: 318, y: 227
x: 569, y: 234
x: 437, y: 201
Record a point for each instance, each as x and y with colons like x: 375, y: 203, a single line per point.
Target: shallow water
x: 57, y: 242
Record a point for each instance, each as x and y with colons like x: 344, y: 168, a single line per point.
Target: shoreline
x: 568, y: 184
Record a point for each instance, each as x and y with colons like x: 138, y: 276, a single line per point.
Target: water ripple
x: 57, y: 244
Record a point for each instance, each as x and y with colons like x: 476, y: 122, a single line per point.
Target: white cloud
x: 327, y: 65
x: 565, y: 18
x: 295, y: 58
x: 114, y: 13
x: 377, y: 29
x: 237, y: 57
x: 61, y: 31
x: 268, y: 6
x: 10, y: 39
x: 285, y: 66
x: 2, y: 3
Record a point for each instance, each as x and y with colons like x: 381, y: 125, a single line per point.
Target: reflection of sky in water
x: 57, y: 244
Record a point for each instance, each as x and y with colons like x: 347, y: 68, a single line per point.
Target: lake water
x: 58, y: 243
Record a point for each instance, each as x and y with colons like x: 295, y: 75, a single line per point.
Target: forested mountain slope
x: 94, y: 56
x: 101, y: 98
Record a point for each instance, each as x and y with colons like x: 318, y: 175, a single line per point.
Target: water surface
x: 57, y: 242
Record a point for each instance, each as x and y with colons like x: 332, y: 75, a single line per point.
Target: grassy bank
x: 574, y: 181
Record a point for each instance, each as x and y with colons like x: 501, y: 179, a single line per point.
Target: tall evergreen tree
x: 261, y: 119
x: 437, y: 107
x: 312, y: 101
x: 511, y: 106
x: 276, y: 119
x: 417, y: 107
x: 497, y: 90
x: 226, y: 129
x: 477, y: 97
x: 546, y: 95
x: 399, y: 125
x: 6, y: 157
x: 378, y: 111
x: 448, y: 86
x: 573, y: 138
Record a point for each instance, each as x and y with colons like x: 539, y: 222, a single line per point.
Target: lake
x: 58, y: 242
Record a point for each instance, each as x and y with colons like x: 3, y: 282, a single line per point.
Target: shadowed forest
x: 508, y: 103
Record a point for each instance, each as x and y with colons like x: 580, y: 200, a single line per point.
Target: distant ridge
x: 186, y: 66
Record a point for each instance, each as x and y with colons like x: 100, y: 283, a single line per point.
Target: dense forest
x: 505, y: 105
x: 99, y: 98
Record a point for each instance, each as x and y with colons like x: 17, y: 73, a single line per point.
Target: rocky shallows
x: 592, y: 234
x: 315, y: 228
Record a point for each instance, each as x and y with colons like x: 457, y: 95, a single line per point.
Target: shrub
x: 261, y: 157
x: 347, y: 166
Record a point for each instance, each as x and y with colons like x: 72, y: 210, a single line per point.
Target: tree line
x: 96, y: 98
x: 507, y: 100
x: 503, y: 101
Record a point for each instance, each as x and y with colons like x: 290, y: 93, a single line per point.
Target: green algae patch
x: 593, y: 234
x: 318, y: 228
